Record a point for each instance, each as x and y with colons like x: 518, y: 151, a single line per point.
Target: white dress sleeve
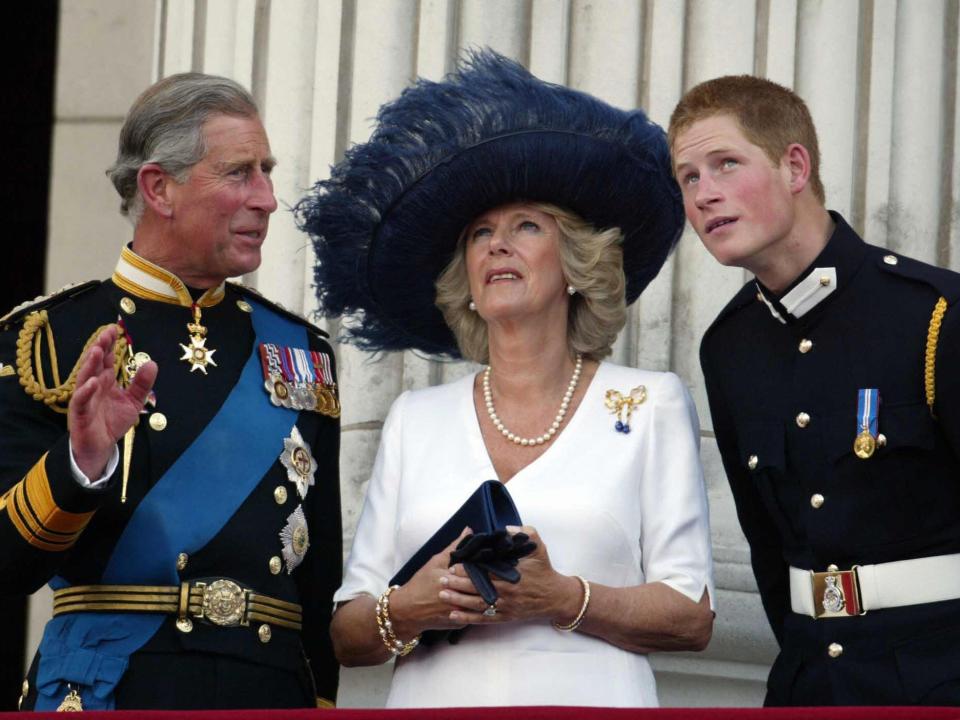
x: 675, y: 537
x: 370, y: 564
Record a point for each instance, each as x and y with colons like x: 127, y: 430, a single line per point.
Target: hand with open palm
x: 101, y: 411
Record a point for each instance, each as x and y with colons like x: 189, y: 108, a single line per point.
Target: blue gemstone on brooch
x: 618, y: 426
x: 626, y: 429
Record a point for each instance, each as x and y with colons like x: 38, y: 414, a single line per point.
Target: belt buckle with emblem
x: 836, y: 593
x: 224, y: 603
x: 868, y: 411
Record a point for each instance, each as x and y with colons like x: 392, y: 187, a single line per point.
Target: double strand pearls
x: 557, y: 421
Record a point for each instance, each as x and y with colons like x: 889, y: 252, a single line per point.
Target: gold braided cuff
x: 583, y: 609
x: 393, y: 643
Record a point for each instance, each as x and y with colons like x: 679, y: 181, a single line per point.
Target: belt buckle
x: 224, y: 603
x: 836, y: 593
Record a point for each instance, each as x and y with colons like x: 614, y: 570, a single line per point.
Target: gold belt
x: 219, y: 601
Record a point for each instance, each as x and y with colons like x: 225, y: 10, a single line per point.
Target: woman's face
x: 513, y: 264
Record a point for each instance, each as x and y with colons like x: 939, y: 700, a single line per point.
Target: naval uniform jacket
x: 783, y: 396
x: 68, y: 531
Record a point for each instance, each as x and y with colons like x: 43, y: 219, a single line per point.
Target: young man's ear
x: 155, y: 187
x: 797, y: 161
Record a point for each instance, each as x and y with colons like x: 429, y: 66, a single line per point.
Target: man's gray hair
x: 165, y: 126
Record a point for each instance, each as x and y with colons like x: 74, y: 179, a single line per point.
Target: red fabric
x: 533, y: 713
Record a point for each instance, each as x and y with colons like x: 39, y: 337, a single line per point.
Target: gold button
x: 881, y: 440
x: 890, y: 259
x: 184, y: 625
x: 245, y: 306
x: 752, y: 462
x: 264, y: 633
x: 158, y: 421
x: 803, y: 420
x: 128, y: 305
x: 280, y: 494
x: 182, y: 560
x: 825, y: 280
x: 806, y: 345
x: 832, y: 568
x: 760, y: 297
x: 816, y: 500
x: 276, y: 565
x: 835, y: 650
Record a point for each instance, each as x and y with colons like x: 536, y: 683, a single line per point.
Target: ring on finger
x: 490, y: 610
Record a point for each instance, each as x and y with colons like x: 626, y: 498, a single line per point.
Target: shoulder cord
x: 58, y: 396
x: 930, y: 363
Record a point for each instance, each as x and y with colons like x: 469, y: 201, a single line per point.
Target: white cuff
x: 83, y: 480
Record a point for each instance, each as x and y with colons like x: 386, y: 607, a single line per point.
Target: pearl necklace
x: 554, y: 426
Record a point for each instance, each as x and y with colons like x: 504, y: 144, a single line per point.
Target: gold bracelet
x: 393, y: 643
x: 583, y: 609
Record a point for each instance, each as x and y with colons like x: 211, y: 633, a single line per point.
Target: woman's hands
x: 418, y: 604
x: 541, y: 593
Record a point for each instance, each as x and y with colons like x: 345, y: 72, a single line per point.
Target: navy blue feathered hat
x: 386, y: 223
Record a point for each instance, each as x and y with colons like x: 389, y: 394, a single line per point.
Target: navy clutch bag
x: 488, y: 509
x: 490, y: 550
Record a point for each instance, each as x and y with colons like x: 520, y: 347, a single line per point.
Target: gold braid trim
x: 31, y: 373
x: 930, y: 363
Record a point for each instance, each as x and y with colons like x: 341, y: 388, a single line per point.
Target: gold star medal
x: 299, y: 462
x: 295, y: 538
x: 197, y: 353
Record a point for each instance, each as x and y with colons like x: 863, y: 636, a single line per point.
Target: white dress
x: 618, y: 509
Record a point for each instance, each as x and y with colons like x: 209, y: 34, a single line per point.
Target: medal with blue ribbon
x: 868, y: 409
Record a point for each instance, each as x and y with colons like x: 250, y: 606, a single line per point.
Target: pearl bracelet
x: 583, y: 609
x: 393, y: 643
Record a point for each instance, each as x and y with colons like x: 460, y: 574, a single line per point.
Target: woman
x: 481, y: 195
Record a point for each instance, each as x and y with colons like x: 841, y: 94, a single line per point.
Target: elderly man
x: 169, y: 441
x: 835, y: 396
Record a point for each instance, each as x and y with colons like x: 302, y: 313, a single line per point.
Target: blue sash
x: 92, y: 650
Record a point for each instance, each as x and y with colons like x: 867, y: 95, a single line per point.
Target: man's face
x: 739, y: 203
x: 221, y: 212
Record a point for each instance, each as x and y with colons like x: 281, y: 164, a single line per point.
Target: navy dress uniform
x: 836, y: 407
x: 200, y: 574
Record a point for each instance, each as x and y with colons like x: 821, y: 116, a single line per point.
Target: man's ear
x: 156, y: 188
x: 796, y: 159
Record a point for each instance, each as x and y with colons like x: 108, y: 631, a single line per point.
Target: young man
x: 836, y: 405
x: 178, y: 488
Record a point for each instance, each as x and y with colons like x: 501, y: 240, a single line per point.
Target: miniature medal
x: 295, y: 538
x: 868, y: 410
x: 299, y: 462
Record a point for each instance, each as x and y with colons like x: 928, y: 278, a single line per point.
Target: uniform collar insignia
x: 295, y: 538
x: 815, y: 287
x: 142, y: 278
x: 299, y: 462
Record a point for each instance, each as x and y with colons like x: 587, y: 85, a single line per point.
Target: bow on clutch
x: 492, y: 553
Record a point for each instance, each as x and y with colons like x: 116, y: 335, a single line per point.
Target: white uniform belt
x: 853, y: 592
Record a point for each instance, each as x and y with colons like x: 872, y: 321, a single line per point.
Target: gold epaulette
x: 30, y: 361
x: 930, y: 360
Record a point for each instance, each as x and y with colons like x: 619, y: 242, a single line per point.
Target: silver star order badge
x: 197, y: 354
x: 295, y: 538
x: 299, y: 462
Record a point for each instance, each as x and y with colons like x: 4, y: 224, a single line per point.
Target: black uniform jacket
x: 783, y: 396
x: 56, y: 527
